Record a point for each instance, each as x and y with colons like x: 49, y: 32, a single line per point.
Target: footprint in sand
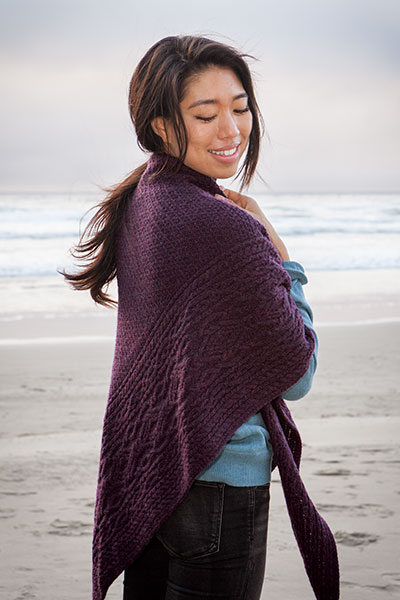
x: 70, y: 528
x: 333, y: 472
x: 356, y: 538
x: 393, y: 579
x: 17, y: 493
x: 361, y: 510
x: 6, y: 513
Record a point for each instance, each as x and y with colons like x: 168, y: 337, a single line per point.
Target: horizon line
x: 66, y: 190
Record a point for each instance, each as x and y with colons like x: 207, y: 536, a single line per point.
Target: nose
x: 228, y: 127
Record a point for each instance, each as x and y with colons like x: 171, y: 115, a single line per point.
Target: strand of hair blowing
x: 156, y: 89
x: 96, y: 245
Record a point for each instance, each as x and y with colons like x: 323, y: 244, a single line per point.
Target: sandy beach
x: 55, y: 371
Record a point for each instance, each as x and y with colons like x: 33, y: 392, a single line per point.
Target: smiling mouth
x: 230, y: 152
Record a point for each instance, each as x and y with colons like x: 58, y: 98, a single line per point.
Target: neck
x: 167, y: 164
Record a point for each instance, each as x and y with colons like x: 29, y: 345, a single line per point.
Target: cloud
x: 327, y: 79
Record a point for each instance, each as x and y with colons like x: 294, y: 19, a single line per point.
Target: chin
x: 214, y: 170
x: 226, y: 172
x: 227, y: 175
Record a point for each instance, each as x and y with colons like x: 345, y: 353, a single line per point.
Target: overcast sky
x: 327, y: 80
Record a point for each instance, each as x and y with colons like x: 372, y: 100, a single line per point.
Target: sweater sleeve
x: 298, y: 277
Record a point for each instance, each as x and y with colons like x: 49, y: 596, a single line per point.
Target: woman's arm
x: 250, y: 205
x: 298, y: 277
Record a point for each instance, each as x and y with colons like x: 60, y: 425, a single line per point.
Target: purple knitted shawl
x: 207, y: 336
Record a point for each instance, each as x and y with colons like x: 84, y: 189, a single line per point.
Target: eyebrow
x: 242, y: 95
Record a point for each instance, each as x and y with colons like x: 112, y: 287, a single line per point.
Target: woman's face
x: 218, y: 122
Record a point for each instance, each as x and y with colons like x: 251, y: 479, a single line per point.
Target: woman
x: 213, y: 332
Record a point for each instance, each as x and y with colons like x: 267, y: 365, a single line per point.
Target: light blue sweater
x: 246, y: 459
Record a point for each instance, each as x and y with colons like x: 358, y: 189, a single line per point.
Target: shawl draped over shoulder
x: 207, y: 336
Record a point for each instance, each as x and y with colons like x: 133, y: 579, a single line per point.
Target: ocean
x: 321, y: 231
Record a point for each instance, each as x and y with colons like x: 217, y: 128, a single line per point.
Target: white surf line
x: 71, y: 339
x: 382, y: 321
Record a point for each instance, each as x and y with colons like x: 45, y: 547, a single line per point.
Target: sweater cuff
x: 295, y: 270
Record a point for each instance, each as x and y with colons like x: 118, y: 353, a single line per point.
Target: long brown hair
x: 156, y: 89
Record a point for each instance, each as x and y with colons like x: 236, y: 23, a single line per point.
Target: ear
x: 159, y: 128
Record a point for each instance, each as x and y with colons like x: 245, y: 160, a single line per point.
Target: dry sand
x: 55, y: 371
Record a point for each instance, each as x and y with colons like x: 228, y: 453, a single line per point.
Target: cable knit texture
x: 207, y: 336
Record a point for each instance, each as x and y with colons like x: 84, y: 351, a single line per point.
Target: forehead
x: 214, y: 82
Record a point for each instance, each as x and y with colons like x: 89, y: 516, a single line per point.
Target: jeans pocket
x: 193, y: 530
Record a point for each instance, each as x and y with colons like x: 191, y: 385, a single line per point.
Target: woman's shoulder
x: 197, y: 212
x: 186, y: 224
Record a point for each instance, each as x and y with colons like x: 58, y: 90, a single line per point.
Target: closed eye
x: 239, y: 111
x: 242, y: 110
x: 206, y: 119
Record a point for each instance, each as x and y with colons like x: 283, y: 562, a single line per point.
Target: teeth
x: 224, y: 152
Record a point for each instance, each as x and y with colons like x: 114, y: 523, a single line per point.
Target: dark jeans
x: 213, y: 546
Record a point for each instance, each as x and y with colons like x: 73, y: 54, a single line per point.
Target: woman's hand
x: 250, y: 205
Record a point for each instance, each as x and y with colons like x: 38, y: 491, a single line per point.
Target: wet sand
x: 55, y: 371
